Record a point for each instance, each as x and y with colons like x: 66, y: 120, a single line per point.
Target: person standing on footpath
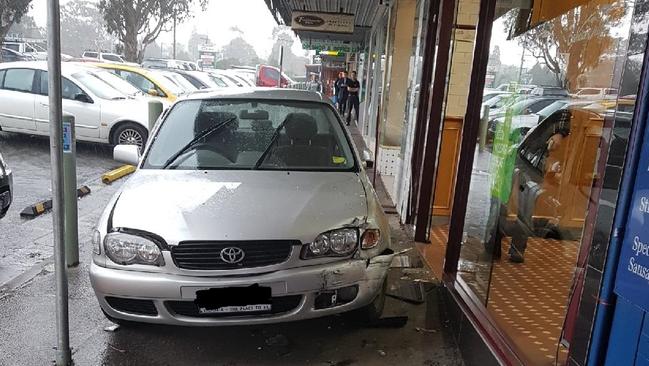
x: 353, y: 87
x: 341, y: 84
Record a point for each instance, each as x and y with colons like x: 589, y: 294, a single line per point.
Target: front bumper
x: 307, y: 282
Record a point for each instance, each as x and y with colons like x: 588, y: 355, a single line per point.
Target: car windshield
x: 98, y: 86
x: 182, y: 82
x: 167, y: 83
x: 251, y: 134
x: 116, y: 82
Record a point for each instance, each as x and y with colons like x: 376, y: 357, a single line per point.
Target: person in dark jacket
x: 353, y: 88
x: 341, y: 85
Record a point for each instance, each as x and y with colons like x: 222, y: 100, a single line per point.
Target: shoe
x: 516, y: 258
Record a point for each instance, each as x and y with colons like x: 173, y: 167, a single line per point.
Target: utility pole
x: 63, y: 354
x: 174, y: 48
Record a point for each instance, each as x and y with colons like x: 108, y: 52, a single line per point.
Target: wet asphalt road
x: 24, y: 243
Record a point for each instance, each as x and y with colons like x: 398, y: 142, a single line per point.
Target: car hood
x: 239, y: 205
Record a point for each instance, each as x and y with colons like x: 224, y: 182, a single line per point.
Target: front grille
x: 281, y: 304
x: 133, y: 306
x: 202, y: 255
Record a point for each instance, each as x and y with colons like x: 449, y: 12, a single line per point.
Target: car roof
x: 67, y: 68
x: 259, y: 93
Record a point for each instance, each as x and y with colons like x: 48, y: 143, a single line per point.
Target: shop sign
x: 328, y: 45
x: 632, y: 281
x: 323, y: 22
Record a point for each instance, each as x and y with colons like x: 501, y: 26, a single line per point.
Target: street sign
x: 67, y: 137
x: 632, y: 281
x: 322, y: 22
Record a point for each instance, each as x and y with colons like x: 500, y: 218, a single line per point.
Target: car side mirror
x: 127, y: 154
x: 81, y: 97
x: 368, y: 163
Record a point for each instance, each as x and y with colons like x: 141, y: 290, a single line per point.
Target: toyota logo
x: 232, y: 255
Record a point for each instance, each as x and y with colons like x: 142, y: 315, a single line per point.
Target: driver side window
x: 68, y: 88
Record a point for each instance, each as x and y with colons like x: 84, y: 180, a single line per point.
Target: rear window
x: 90, y: 54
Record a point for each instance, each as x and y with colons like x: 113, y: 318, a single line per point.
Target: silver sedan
x: 247, y: 207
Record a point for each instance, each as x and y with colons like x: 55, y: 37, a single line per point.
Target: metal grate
x: 207, y: 255
x: 133, y: 306
x: 282, y: 304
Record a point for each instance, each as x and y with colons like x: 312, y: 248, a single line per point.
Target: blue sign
x: 67, y: 137
x: 632, y: 281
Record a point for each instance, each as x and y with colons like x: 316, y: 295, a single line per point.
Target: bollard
x: 155, y: 110
x: 484, y: 121
x: 71, y: 233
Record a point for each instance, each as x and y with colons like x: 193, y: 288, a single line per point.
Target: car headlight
x: 123, y: 248
x: 370, y: 238
x: 335, y: 243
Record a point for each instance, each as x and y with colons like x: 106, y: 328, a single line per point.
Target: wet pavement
x: 25, y: 243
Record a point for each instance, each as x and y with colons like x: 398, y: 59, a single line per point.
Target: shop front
x: 523, y: 252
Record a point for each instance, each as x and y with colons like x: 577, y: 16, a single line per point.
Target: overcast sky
x: 251, y: 16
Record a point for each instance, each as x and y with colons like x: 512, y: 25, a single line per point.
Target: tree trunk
x: 130, y: 46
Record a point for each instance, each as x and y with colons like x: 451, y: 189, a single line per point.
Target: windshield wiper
x: 196, y: 139
x: 270, y: 145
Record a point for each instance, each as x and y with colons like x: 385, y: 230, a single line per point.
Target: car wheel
x: 130, y: 134
x: 374, y: 310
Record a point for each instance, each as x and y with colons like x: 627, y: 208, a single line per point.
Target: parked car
x: 488, y: 94
x: 595, y: 93
x: 238, y: 78
x: 31, y: 50
x: 220, y: 77
x: 553, y: 91
x: 554, y: 171
x: 162, y: 63
x: 194, y: 236
x: 6, y: 187
x: 203, y: 80
x: 102, y: 57
x: 524, y: 111
x: 268, y: 76
x: 9, y: 55
x: 146, y: 80
x: 102, y: 113
x: 176, y: 79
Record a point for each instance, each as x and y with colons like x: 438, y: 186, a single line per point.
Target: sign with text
x: 323, y: 22
x: 632, y: 280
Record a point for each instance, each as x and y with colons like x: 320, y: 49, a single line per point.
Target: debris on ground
x: 111, y: 328
x: 382, y: 352
x: 116, y: 349
x: 346, y: 362
x: 410, y: 291
x: 424, y: 330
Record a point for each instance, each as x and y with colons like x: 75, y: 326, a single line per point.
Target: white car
x: 227, y: 79
x: 102, y: 113
x: 250, y: 206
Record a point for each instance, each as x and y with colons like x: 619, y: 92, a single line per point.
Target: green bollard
x: 71, y: 233
x: 155, y: 110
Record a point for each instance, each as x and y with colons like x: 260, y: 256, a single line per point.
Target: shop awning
x: 352, y: 21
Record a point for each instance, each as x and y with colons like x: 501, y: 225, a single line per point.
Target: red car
x: 268, y: 75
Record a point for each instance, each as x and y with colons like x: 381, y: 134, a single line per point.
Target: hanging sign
x: 632, y: 281
x: 323, y: 22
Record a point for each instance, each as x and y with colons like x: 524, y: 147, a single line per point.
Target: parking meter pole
x: 281, y: 66
x: 155, y: 110
x: 63, y: 354
x: 483, y: 127
x: 71, y: 233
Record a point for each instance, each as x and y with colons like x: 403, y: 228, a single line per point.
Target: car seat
x: 300, y: 150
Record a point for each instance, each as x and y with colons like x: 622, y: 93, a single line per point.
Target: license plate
x: 237, y: 309
x: 250, y: 299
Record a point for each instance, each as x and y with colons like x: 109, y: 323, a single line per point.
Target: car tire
x: 373, y: 311
x: 131, y: 134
